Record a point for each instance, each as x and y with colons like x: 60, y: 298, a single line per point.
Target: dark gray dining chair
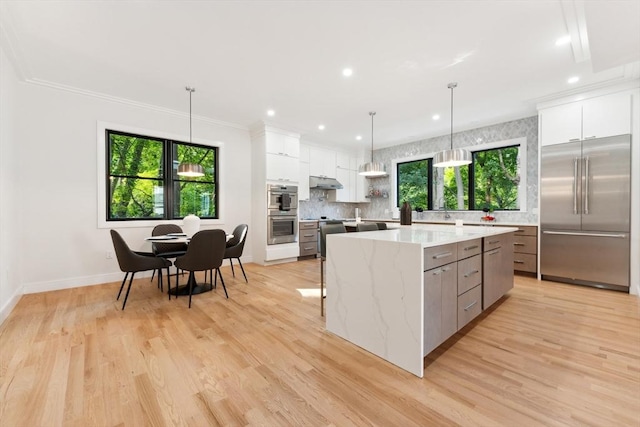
x: 132, y: 262
x: 381, y: 225
x: 167, y: 250
x: 235, y: 246
x: 324, y: 230
x: 205, y: 253
x: 367, y: 226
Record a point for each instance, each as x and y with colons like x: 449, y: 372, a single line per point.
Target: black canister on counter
x: 405, y: 214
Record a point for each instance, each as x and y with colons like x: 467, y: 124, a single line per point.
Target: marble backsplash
x: 382, y: 208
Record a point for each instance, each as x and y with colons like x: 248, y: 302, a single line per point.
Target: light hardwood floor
x: 548, y: 354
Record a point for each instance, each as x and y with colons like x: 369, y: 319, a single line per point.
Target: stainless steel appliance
x: 282, y: 214
x: 585, y: 209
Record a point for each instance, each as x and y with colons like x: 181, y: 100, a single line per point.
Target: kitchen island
x: 400, y: 293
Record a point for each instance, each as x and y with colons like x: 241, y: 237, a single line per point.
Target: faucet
x: 444, y: 206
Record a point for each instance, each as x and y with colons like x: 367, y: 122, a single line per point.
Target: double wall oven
x: 282, y: 214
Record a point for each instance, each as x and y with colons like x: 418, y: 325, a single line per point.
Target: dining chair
x: 167, y: 250
x: 324, y: 230
x: 205, y: 253
x: 132, y: 262
x: 367, y: 226
x: 235, y: 246
x: 381, y: 225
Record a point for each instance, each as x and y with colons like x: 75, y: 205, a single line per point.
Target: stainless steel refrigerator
x: 585, y: 209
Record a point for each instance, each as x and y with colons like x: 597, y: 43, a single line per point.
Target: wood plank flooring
x: 548, y: 354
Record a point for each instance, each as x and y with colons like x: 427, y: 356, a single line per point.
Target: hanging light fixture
x: 373, y: 169
x: 451, y: 157
x: 190, y: 169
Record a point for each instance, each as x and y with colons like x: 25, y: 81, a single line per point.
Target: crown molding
x: 130, y: 102
x: 584, y: 92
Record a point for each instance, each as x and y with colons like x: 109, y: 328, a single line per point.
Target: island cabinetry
x: 497, y: 268
x: 452, y: 278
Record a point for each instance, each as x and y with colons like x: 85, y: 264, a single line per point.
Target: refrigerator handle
x: 586, y: 185
x: 575, y: 186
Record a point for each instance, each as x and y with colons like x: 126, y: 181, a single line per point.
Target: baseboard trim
x: 6, y: 310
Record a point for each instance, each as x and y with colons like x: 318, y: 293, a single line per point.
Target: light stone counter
x: 375, y: 287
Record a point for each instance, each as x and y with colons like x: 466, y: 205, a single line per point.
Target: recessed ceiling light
x: 347, y: 72
x: 563, y: 40
x: 271, y: 113
x: 573, y: 79
x: 436, y: 117
x: 321, y: 127
x: 358, y: 137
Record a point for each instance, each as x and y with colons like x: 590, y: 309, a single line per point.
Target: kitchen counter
x: 376, y: 285
x: 452, y: 222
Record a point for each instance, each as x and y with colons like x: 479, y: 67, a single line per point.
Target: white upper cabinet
x: 561, y: 124
x: 303, y: 181
x: 592, y: 118
x: 322, y: 162
x: 606, y: 116
x: 304, y: 153
x: 343, y: 160
x: 283, y: 168
x: 283, y: 145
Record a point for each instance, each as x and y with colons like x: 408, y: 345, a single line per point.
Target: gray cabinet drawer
x: 525, y: 262
x: 308, y: 236
x: 308, y: 225
x: 469, y: 273
x: 440, y: 255
x: 308, y: 249
x: 525, y: 244
x: 469, y: 306
x: 469, y: 248
x: 493, y: 242
x: 526, y: 230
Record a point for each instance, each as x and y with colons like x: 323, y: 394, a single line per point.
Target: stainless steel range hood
x: 324, y: 183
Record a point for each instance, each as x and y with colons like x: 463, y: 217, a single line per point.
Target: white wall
x: 10, y: 221
x: 61, y: 244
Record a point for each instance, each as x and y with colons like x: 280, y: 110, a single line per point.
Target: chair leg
x: 169, y: 283
x: 232, y: 270
x: 243, y: 273
x: 128, y: 289
x: 222, y: 281
x: 122, y: 286
x: 214, y: 280
x: 152, y: 275
x: 177, y: 285
x: 321, y: 286
x: 191, y: 280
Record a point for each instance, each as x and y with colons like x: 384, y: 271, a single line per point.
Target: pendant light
x: 190, y: 169
x: 373, y: 169
x: 451, y: 157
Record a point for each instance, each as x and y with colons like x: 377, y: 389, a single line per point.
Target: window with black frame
x: 143, y: 183
x: 491, y: 181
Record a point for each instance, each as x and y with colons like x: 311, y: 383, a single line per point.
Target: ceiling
x: 245, y: 57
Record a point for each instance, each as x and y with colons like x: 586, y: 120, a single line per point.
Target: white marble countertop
x: 427, y: 235
x: 452, y: 221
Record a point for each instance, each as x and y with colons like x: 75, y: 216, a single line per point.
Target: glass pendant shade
x: 372, y: 169
x: 190, y: 170
x: 452, y: 157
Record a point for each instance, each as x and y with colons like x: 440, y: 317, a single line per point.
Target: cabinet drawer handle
x: 589, y: 137
x: 442, y: 255
x: 518, y: 244
x: 470, y: 305
x: 519, y: 231
x: 471, y: 273
x: 309, y: 235
x: 436, y: 272
x: 469, y: 248
x: 517, y: 261
x: 493, y: 242
x: 574, y: 139
x: 446, y: 268
x: 493, y: 252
